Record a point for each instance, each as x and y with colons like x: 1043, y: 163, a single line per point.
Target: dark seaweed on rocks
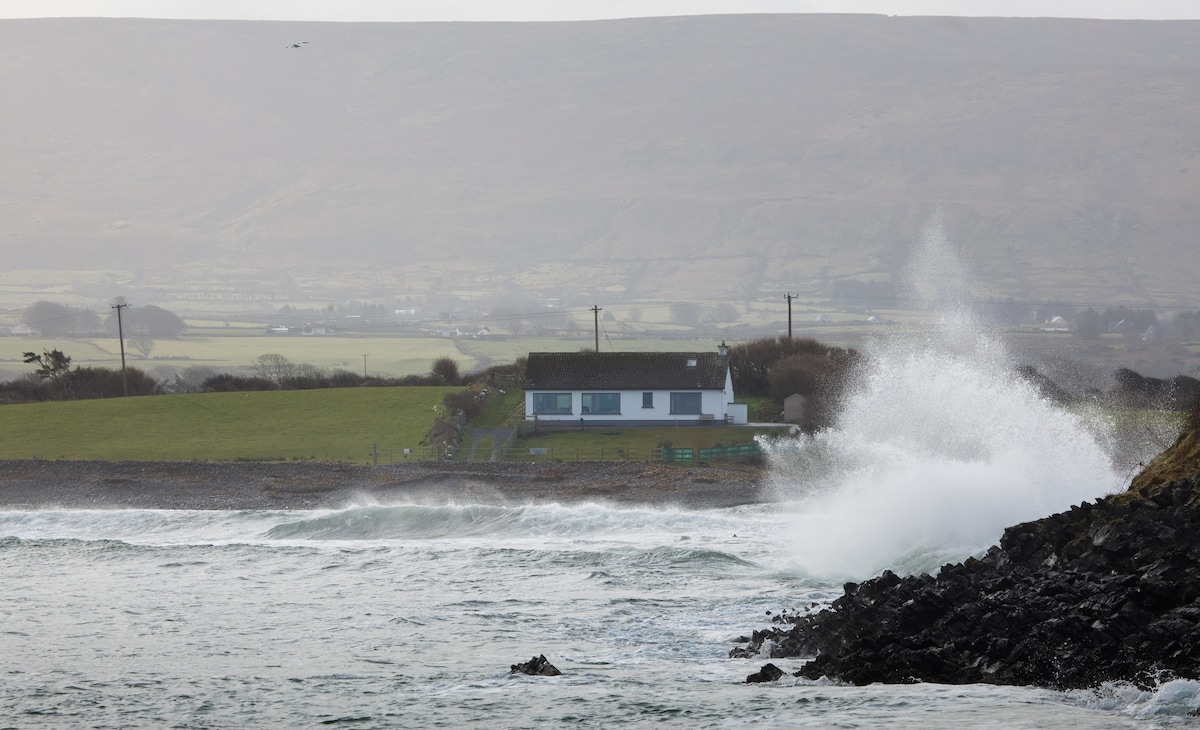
x: 1105, y: 591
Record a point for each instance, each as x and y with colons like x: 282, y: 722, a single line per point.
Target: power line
x: 607, y: 339
x: 899, y: 301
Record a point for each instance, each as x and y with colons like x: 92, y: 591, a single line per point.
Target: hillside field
x: 386, y: 356
x: 342, y: 424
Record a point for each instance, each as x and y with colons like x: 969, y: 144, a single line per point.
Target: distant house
x: 631, y: 388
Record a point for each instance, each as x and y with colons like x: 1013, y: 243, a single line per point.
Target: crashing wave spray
x: 936, y: 450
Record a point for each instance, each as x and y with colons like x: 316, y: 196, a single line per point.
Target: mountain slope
x: 727, y: 157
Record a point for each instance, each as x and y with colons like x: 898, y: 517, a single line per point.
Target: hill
x: 717, y: 158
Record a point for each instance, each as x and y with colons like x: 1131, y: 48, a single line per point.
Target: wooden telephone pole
x: 596, y: 310
x: 789, y: 300
x: 121, y: 336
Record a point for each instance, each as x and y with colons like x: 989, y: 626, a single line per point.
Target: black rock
x: 1099, y: 593
x: 768, y: 673
x: 538, y: 666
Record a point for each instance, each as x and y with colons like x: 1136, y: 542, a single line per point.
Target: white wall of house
x: 713, y: 407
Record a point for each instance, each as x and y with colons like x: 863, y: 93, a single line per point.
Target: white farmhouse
x: 631, y: 388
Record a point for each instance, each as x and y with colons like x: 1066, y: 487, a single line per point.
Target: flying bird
x: 297, y: 45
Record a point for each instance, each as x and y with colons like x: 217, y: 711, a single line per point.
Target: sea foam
x: 937, y: 448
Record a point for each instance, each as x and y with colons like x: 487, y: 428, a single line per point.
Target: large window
x: 685, y: 403
x: 607, y: 403
x: 556, y: 403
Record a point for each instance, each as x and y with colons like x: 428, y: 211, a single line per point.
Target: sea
x: 411, y: 615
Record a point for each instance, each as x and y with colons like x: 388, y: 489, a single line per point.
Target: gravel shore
x: 31, y: 484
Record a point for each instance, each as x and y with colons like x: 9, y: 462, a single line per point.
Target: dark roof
x: 625, y: 370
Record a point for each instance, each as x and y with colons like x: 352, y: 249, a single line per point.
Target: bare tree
x: 54, y: 367
x: 51, y: 365
x: 142, y: 343
x: 190, y: 379
x: 274, y: 367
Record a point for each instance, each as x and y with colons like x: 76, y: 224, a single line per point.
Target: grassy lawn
x: 341, y: 424
x: 760, y: 410
x: 498, y: 409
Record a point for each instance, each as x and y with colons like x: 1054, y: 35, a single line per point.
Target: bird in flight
x: 298, y: 44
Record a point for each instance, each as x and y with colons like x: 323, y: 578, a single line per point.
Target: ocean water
x: 387, y: 616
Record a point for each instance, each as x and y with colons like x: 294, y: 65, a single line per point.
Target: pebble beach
x: 36, y: 484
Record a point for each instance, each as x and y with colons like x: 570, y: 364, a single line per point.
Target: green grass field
x: 356, y: 425
x: 499, y: 407
x: 343, y: 424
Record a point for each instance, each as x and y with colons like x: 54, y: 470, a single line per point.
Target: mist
x: 741, y: 156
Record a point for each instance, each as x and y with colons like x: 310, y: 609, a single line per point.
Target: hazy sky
x: 413, y: 10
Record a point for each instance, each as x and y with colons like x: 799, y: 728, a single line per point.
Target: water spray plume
x: 938, y: 447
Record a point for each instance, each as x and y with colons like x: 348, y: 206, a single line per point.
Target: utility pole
x: 121, y: 336
x: 789, y: 300
x: 596, y: 310
x: 364, y: 364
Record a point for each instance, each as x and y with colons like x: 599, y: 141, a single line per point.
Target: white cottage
x: 631, y: 388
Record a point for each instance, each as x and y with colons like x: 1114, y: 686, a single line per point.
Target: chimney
x: 723, y: 349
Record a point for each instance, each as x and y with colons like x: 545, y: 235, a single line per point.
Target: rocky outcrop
x: 1105, y: 591
x: 538, y: 666
x: 769, y: 673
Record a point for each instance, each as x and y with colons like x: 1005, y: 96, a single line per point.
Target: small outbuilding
x: 793, y: 408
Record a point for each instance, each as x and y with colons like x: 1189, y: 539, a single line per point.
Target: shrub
x: 465, y: 401
x: 777, y: 367
x: 750, y: 362
x: 95, y: 382
x: 445, y: 371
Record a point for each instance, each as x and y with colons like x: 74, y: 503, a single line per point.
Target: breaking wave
x: 939, y: 447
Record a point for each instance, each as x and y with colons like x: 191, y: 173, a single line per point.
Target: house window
x: 608, y: 403
x: 552, y: 403
x: 685, y: 403
x: 647, y: 400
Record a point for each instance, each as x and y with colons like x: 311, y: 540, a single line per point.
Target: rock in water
x: 538, y: 666
x: 769, y: 673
